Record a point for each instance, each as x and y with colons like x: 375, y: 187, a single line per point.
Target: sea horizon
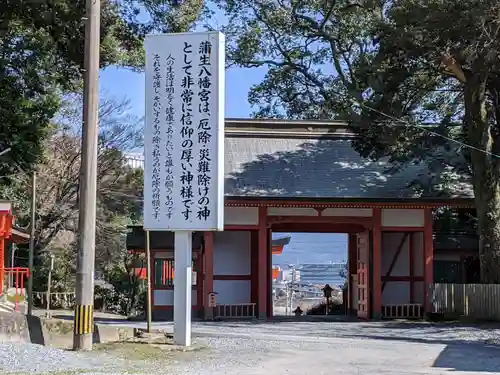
x: 314, y: 248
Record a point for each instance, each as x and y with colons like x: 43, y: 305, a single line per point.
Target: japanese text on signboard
x: 183, y: 141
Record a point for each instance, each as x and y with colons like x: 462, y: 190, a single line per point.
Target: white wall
x: 352, y: 212
x: 232, y: 291
x: 418, y: 251
x: 418, y: 290
x: 390, y: 244
x: 232, y: 254
x: 165, y: 297
x: 291, y: 211
x: 241, y: 215
x: 392, y: 217
x: 398, y: 292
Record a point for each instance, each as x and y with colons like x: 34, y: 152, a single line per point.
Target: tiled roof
x: 295, y: 167
x: 312, y: 168
x: 282, y: 241
x: 314, y: 159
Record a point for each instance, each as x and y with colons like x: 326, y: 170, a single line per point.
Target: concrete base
x: 58, y: 333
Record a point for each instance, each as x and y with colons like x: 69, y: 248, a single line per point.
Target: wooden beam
x: 317, y: 228
x: 233, y: 227
x: 411, y: 267
x: 402, y: 229
x: 364, y: 221
x: 395, y: 259
x: 403, y: 278
x: 299, y: 202
x: 232, y: 277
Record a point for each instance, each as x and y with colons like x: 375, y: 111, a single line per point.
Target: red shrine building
x: 9, y: 235
x: 304, y: 176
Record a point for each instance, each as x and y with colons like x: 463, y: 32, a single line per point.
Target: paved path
x: 294, y: 348
x: 361, y: 348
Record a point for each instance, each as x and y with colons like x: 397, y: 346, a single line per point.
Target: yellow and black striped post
x: 84, y: 319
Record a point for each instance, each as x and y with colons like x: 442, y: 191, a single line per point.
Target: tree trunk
x: 486, y: 176
x: 488, y: 214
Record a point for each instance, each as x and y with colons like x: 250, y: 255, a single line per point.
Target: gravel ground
x: 313, y: 348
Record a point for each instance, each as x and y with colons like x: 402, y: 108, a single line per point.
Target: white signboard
x: 184, y: 132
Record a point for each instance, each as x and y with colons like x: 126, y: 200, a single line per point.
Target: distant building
x: 134, y: 160
x: 321, y: 273
x: 289, y: 275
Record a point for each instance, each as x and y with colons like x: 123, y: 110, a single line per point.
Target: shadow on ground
x: 468, y: 354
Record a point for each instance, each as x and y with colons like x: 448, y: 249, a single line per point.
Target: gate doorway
x: 301, y: 270
x: 354, y: 296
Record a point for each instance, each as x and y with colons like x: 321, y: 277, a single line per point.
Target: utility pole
x: 83, y: 320
x: 49, y: 285
x: 31, y: 254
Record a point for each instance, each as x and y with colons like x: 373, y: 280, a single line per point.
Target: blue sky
x: 312, y: 248
x: 123, y: 83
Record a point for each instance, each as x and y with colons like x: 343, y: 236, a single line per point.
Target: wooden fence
x: 477, y: 301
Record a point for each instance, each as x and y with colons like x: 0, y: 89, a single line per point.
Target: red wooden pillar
x: 262, y: 264
x: 352, y: 268
x: 2, y: 263
x: 270, y: 310
x: 377, y: 263
x: 428, y: 258
x: 5, y: 233
x: 412, y: 267
x: 254, y: 266
x: 208, y: 272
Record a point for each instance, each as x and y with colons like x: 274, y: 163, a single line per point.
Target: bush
x: 335, y: 308
x: 124, y: 292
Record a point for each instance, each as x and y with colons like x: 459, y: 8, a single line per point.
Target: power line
x: 407, y: 123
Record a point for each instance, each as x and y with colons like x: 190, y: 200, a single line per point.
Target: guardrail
x: 405, y: 311
x: 233, y: 311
